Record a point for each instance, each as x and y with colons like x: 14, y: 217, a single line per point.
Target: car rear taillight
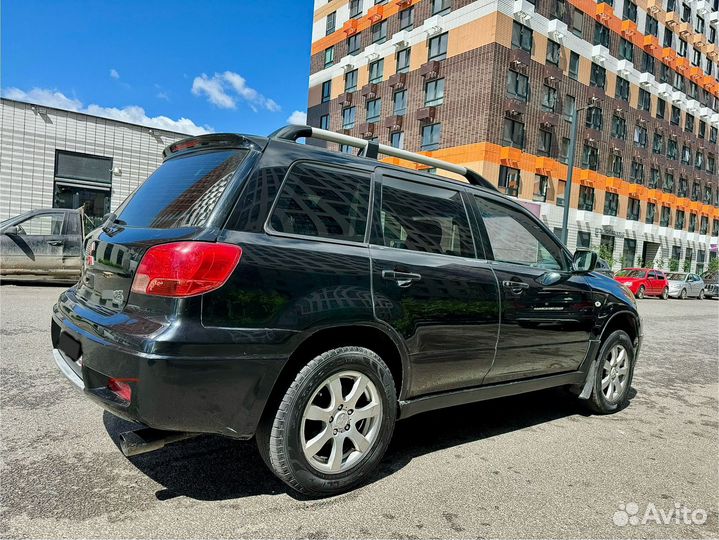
x: 121, y: 388
x: 182, y: 269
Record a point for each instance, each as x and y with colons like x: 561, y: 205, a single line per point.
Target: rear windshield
x: 676, y: 277
x: 710, y: 276
x: 182, y: 192
x: 632, y: 273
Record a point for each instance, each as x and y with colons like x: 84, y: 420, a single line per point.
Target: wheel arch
x: 622, y: 320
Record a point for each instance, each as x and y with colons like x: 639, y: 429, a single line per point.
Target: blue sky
x: 216, y: 65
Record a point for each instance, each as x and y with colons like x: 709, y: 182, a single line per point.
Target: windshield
x: 710, y: 276
x: 632, y: 273
x: 676, y: 276
x: 182, y: 192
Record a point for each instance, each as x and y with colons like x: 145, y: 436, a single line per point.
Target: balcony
x: 523, y: 10
x: 600, y: 54
x: 557, y: 30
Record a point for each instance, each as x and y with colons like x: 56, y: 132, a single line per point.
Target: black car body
x: 425, y: 291
x: 42, y: 244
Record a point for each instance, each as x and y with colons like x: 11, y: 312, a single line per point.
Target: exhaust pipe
x: 141, y: 441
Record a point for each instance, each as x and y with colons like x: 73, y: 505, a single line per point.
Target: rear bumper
x: 200, y: 393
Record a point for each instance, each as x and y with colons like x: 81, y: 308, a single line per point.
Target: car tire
x: 683, y: 294
x: 640, y: 292
x: 701, y: 295
x: 613, y: 378
x: 665, y: 293
x: 320, y: 399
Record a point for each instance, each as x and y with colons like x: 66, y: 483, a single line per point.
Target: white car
x: 684, y: 284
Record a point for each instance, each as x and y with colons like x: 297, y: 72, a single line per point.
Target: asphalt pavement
x: 529, y: 466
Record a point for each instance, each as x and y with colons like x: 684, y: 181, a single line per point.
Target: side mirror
x: 584, y: 261
x: 11, y: 230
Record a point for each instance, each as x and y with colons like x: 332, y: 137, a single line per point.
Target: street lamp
x: 570, y: 166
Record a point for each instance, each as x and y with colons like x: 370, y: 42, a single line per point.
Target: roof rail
x: 370, y: 150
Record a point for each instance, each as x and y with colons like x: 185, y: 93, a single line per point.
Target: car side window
x: 323, y: 201
x: 652, y: 275
x: 42, y: 225
x: 425, y: 218
x: 73, y: 224
x: 516, y: 238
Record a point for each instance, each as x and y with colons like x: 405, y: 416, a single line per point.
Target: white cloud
x: 224, y: 89
x: 132, y: 113
x: 298, y: 118
x: 114, y: 74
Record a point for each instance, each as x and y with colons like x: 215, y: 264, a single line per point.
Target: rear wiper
x: 111, y: 219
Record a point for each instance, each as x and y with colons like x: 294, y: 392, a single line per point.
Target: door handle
x: 517, y: 287
x: 55, y: 242
x: 403, y: 279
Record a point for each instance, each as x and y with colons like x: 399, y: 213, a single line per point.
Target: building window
x: 597, y: 76
x: 682, y: 51
x: 594, y: 118
x: 509, y: 179
x: 647, y: 62
x: 379, y: 32
x: 692, y: 222
x: 696, y: 57
x: 626, y: 50
x: 351, y: 81
x: 564, y: 150
x: 634, y: 208
x: 672, y: 149
x: 326, y: 91
x: 713, y: 134
x: 348, y: 117
x: 654, y: 178
x: 640, y: 136
x: 438, y: 47
x: 403, y: 60
x: 611, y: 204
x: 601, y: 34
x: 544, y: 147
x: 622, y: 91
x: 577, y: 22
x: 331, y: 18
x: 396, y: 139
x: 668, y: 183
x: 683, y: 187
x: 630, y: 11
x: 81, y: 180
x: 699, y: 28
x: 645, y: 100
x: 406, y: 19
x: 616, y: 166
x: 549, y: 98
x: 584, y: 239
x: 374, y: 110
x: 558, y: 9
x: 661, y: 108
x: 376, y: 71
x: 666, y: 217
x: 517, y: 85
x: 353, y: 44
x: 679, y: 222
x: 521, y: 37
x: 561, y: 190
x: 704, y: 227
x: 711, y: 164
x: 689, y: 123
x: 325, y: 121
x: 513, y: 133
x: 686, y: 13
x: 430, y: 136
x: 329, y: 56
x: 619, y: 127
x: 434, y: 93
x: 355, y: 8
x: 590, y: 157
x: 676, y: 115
x: 651, y: 212
x: 586, y: 198
x: 636, y: 172
x: 651, y: 27
x: 701, y: 133
x: 540, y: 188
x: 399, y: 101
x: 440, y: 7
x: 568, y: 107
x: 573, y: 65
x: 630, y: 250
x: 686, y: 155
x: 553, y: 52
x: 668, y: 37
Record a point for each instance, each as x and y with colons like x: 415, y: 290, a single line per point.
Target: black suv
x: 255, y: 286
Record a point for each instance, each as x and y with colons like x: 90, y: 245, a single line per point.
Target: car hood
x: 624, y: 279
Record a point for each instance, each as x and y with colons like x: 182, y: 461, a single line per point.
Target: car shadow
x: 210, y: 467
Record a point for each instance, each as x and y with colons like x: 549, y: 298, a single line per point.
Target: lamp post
x: 570, y: 167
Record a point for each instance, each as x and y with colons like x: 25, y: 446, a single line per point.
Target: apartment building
x: 494, y: 85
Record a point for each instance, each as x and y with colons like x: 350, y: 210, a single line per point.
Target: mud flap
x: 589, y: 381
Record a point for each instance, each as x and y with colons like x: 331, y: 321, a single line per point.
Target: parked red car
x: 644, y: 282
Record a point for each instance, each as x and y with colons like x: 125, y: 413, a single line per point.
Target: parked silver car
x: 684, y: 284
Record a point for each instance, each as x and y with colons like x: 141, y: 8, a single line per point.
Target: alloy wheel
x: 701, y: 294
x: 341, y: 422
x: 683, y: 294
x: 640, y: 292
x: 665, y: 293
x: 615, y: 373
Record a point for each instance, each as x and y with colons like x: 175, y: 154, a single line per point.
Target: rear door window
x: 42, y: 225
x: 323, y: 201
x: 183, y: 192
x: 426, y: 218
x: 516, y: 238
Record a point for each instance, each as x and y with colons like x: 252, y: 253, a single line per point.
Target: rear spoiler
x: 218, y: 140
x: 372, y: 150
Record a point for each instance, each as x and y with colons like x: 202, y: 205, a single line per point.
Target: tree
x: 713, y: 265
x: 673, y: 264
x: 687, y: 265
x: 605, y: 253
